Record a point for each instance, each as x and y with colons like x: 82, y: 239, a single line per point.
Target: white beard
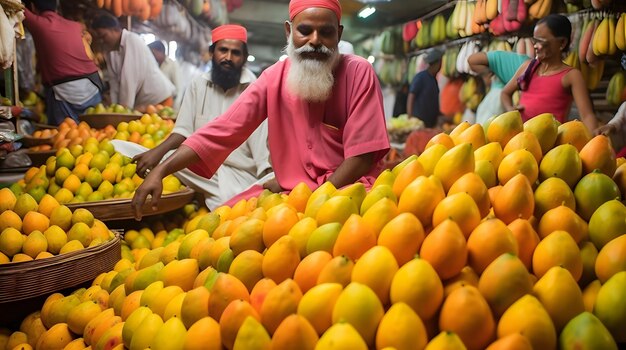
x: 309, y: 79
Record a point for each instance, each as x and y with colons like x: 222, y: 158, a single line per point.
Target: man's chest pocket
x: 331, y: 136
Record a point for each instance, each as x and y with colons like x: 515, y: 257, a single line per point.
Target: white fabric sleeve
x: 186, y: 114
x: 619, y: 119
x: 133, y: 69
x: 114, y: 80
x: 259, y: 148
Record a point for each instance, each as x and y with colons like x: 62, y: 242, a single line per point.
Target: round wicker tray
x: 99, y: 121
x: 120, y: 209
x: 29, y: 279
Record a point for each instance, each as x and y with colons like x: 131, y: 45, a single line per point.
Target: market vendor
x: 423, y: 99
x: 168, y: 66
x: 324, y: 111
x: 547, y: 84
x: 134, y: 77
x: 207, y: 97
x: 70, y: 77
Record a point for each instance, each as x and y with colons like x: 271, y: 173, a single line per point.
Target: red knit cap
x: 229, y: 31
x: 297, y: 6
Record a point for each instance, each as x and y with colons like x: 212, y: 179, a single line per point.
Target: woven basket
x: 29, y: 279
x: 99, y: 121
x: 120, y: 209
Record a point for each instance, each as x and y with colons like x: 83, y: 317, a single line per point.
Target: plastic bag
x: 490, y: 106
x: 17, y: 159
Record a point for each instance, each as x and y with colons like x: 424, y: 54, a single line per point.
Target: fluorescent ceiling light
x: 251, y: 58
x: 366, y: 11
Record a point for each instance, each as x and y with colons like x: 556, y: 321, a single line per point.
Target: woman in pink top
x: 547, y: 84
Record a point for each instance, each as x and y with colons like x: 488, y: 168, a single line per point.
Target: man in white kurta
x: 207, y: 97
x: 168, y: 67
x: 134, y: 77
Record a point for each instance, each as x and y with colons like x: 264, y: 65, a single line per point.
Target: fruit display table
x: 510, y: 234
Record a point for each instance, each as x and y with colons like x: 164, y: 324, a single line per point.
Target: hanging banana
x: 620, y: 32
x: 601, y: 36
x: 615, y: 89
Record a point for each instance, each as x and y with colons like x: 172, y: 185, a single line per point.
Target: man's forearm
x: 182, y: 158
x: 352, y: 169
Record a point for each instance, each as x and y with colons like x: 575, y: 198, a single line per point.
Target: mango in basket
x: 171, y: 184
x: 45, y: 230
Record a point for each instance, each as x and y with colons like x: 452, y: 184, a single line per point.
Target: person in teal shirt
x: 503, y: 65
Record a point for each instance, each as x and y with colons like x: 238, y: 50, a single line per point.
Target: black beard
x: 225, y: 78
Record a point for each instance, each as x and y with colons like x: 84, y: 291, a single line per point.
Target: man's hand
x: 605, y: 130
x: 273, y: 186
x: 151, y: 186
x: 146, y: 161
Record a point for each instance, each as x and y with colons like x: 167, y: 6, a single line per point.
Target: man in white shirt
x: 206, y: 98
x: 168, y: 66
x: 134, y: 76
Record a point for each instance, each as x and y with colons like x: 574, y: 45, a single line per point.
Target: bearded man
x: 206, y: 98
x: 324, y: 111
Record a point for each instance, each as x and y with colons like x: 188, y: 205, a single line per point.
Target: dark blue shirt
x: 426, y: 104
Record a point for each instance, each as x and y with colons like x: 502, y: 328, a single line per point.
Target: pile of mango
x: 70, y: 133
x: 112, y: 108
x: 508, y: 235
x: 90, y: 172
x: 31, y: 230
x: 148, y: 131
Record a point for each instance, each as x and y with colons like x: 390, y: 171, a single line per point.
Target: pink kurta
x: 307, y: 141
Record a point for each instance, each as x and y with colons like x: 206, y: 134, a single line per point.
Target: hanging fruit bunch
x: 591, y: 66
x: 524, y: 46
x: 143, y: 9
x: 472, y: 93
